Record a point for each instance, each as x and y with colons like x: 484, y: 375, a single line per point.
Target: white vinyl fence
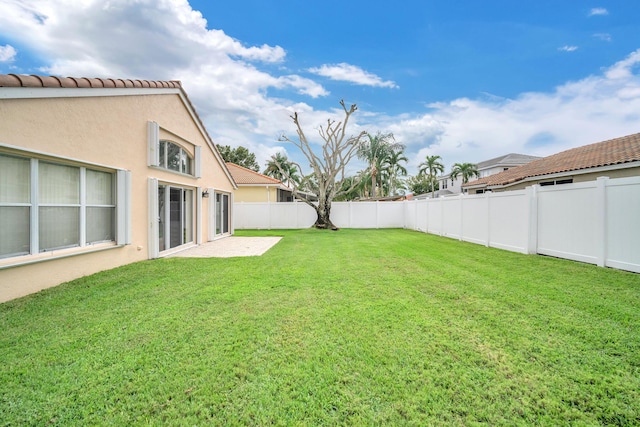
x: 596, y: 222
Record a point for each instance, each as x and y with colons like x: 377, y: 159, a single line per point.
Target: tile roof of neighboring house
x: 510, y: 159
x: 625, y: 149
x: 33, y: 81
x: 244, y: 176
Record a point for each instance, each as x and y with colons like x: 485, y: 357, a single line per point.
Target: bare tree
x: 328, y: 169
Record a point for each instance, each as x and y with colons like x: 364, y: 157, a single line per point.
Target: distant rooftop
x: 507, y: 160
x: 621, y: 150
x: 242, y: 175
x: 511, y: 159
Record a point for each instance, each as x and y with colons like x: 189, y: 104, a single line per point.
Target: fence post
x: 461, y: 215
x: 297, y: 205
x: 601, y: 218
x: 532, y: 201
x: 426, y: 221
x: 487, y: 198
x: 441, y: 201
x: 405, y: 207
x: 350, y: 213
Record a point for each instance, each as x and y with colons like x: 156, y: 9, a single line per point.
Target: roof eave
x: 617, y: 166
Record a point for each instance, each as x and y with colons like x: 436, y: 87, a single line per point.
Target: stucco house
x: 256, y: 187
x: 98, y: 173
x: 614, y: 158
x: 449, y: 186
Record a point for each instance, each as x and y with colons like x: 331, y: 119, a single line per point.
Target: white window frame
x: 153, y: 153
x: 194, y: 218
x: 122, y: 215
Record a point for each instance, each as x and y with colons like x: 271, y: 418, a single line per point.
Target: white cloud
x: 167, y: 34
x: 598, y: 11
x: 623, y: 70
x: 351, y: 73
x: 304, y: 86
x: 164, y: 40
x: 567, y: 48
x: 7, y: 53
x: 603, y: 36
x: 593, y: 109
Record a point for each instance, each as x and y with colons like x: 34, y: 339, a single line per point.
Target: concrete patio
x: 228, y: 247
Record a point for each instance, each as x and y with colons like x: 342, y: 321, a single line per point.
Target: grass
x: 356, y: 327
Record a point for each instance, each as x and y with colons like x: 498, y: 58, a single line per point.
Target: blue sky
x: 466, y: 80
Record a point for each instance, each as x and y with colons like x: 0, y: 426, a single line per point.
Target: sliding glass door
x: 221, y: 212
x: 175, y: 217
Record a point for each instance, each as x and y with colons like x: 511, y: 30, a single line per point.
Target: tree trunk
x: 323, y: 210
x: 374, y: 181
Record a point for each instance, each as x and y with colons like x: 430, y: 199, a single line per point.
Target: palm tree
x: 365, y: 178
x: 431, y: 167
x: 279, y: 167
x: 393, y: 169
x: 465, y: 170
x: 374, y: 152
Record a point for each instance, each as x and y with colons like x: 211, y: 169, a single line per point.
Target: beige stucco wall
x: 109, y: 131
x: 256, y: 194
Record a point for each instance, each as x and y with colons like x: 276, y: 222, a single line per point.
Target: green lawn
x: 355, y: 327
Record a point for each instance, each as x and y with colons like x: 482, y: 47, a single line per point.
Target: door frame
x: 193, y: 210
x: 214, y: 211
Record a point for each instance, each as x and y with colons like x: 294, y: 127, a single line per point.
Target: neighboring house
x: 256, y: 187
x: 449, y: 186
x: 615, y: 158
x: 503, y: 163
x: 98, y: 173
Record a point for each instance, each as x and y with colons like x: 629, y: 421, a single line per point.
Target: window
x: 58, y: 205
x: 174, y: 157
x: 171, y: 156
x: 46, y: 206
x: 15, y: 206
x: 557, y: 182
x: 101, y: 206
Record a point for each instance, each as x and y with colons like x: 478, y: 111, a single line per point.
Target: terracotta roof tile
x: 66, y: 82
x: 9, y: 80
x: 21, y: 80
x: 82, y: 82
x: 606, y: 153
x: 242, y: 175
x: 30, y: 81
x: 49, y: 81
x: 96, y: 82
